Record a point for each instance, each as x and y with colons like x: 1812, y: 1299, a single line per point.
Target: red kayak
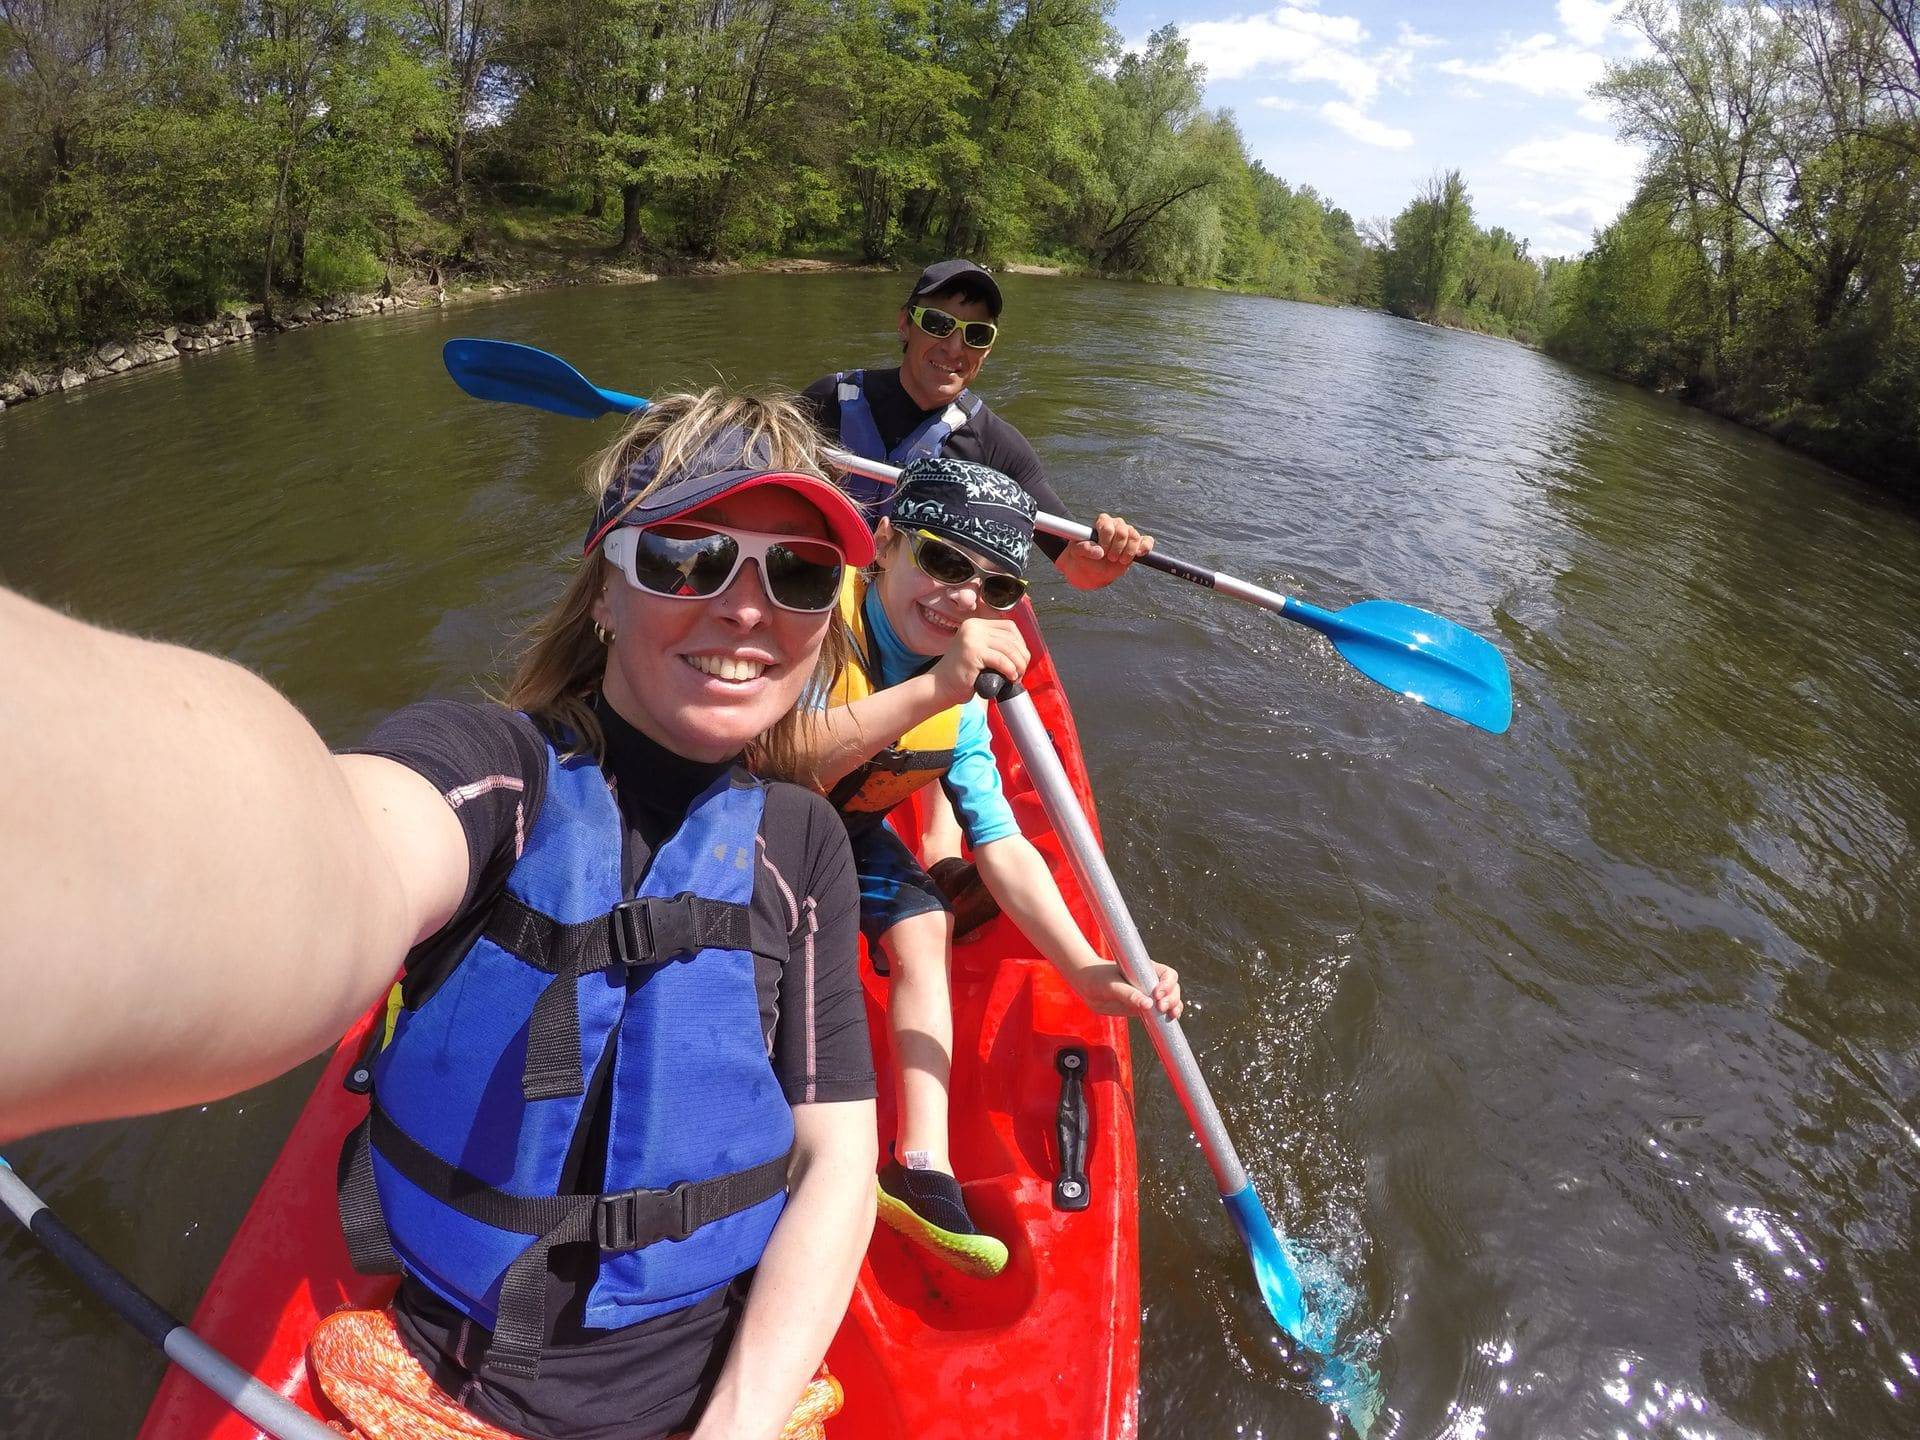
x: 1048, y: 1348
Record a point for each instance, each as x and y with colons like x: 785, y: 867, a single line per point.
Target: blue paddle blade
x: 1423, y: 656
x: 1289, y: 1276
x: 1278, y: 1284
x: 521, y: 375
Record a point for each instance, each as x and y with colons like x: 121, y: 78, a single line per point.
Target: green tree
x: 1426, y: 265
x: 458, y: 41
x: 1157, y: 154
x: 905, y: 128
x: 1031, y: 67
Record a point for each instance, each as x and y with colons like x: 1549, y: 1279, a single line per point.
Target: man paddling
x: 923, y: 407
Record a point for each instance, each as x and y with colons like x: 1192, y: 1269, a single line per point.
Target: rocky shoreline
x: 171, y: 342
x: 158, y: 345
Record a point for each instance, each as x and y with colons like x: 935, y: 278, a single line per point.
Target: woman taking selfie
x: 622, y: 1130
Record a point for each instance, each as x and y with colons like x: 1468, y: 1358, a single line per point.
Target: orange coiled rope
x: 359, y: 1361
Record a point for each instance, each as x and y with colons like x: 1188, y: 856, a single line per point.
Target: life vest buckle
x: 650, y: 930
x: 636, y: 1218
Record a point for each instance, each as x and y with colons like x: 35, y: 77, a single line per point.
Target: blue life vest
x: 480, y: 1092
x: 860, y: 433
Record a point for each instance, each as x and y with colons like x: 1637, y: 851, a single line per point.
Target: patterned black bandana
x: 974, y: 504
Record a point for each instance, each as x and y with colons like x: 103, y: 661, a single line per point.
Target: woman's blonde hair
x: 561, y: 672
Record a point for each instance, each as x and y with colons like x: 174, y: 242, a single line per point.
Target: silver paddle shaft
x: 890, y: 475
x: 265, y: 1407
x: 1074, y: 530
x: 1116, y: 923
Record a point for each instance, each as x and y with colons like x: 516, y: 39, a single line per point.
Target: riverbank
x: 160, y: 344
x: 548, y: 269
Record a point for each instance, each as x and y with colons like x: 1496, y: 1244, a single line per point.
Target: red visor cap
x: 846, y: 525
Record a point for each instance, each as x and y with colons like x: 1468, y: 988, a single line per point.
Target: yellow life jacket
x: 916, y: 759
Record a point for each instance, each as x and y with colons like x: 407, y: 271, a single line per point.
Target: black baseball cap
x: 957, y: 275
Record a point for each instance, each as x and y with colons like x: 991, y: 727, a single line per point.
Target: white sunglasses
x: 686, y: 560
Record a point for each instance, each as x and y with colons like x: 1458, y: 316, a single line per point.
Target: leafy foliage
x: 1767, y: 266
x: 162, y: 158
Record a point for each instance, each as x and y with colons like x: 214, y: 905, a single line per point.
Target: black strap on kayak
x: 635, y: 933
x: 616, y: 1223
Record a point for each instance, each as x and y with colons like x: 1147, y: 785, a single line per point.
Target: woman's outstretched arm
x: 195, y: 894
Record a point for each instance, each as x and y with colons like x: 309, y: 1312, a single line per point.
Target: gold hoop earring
x: 602, y: 634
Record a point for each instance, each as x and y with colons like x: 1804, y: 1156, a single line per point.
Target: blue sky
x: 1364, y: 100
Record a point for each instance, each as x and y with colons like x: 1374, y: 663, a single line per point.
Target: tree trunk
x: 273, y: 231
x: 631, y: 240
x: 917, y: 214
x: 1727, y: 275
x: 876, y: 217
x: 958, y: 228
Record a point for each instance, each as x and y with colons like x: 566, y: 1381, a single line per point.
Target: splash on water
x: 1311, y: 1300
x: 1346, y: 1377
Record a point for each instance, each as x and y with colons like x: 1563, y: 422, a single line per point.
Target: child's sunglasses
x: 951, y: 566
x: 978, y: 334
x: 687, y: 560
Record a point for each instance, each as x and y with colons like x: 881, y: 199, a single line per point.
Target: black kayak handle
x: 1073, y: 1127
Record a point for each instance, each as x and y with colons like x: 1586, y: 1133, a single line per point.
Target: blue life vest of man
x: 860, y: 433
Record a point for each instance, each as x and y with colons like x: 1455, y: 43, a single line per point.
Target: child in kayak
x: 622, y: 1120
x: 926, y: 621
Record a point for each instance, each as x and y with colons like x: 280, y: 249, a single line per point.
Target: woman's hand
x: 1091, y: 564
x: 1107, y: 991
x: 979, y: 644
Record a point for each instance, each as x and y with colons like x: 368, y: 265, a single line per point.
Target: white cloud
x: 1588, y: 21
x: 1394, y: 65
x: 1583, y: 153
x: 1353, y: 121
x: 1301, y: 44
x: 1575, y: 182
x: 1414, y: 40
x: 1306, y: 46
x: 1540, y: 65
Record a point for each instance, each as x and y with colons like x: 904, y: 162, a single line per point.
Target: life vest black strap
x: 362, y: 1222
x: 647, y: 931
x: 615, y: 1223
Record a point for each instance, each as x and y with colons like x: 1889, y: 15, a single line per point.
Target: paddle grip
x: 267, y: 1408
x: 126, y: 1299
x: 992, y: 685
x: 1167, y: 565
x: 1072, y: 1128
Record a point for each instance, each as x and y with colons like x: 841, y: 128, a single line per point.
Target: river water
x: 1587, y: 1050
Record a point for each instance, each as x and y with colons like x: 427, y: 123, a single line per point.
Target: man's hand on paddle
x: 979, y: 644
x: 1107, y: 991
x: 1090, y: 564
